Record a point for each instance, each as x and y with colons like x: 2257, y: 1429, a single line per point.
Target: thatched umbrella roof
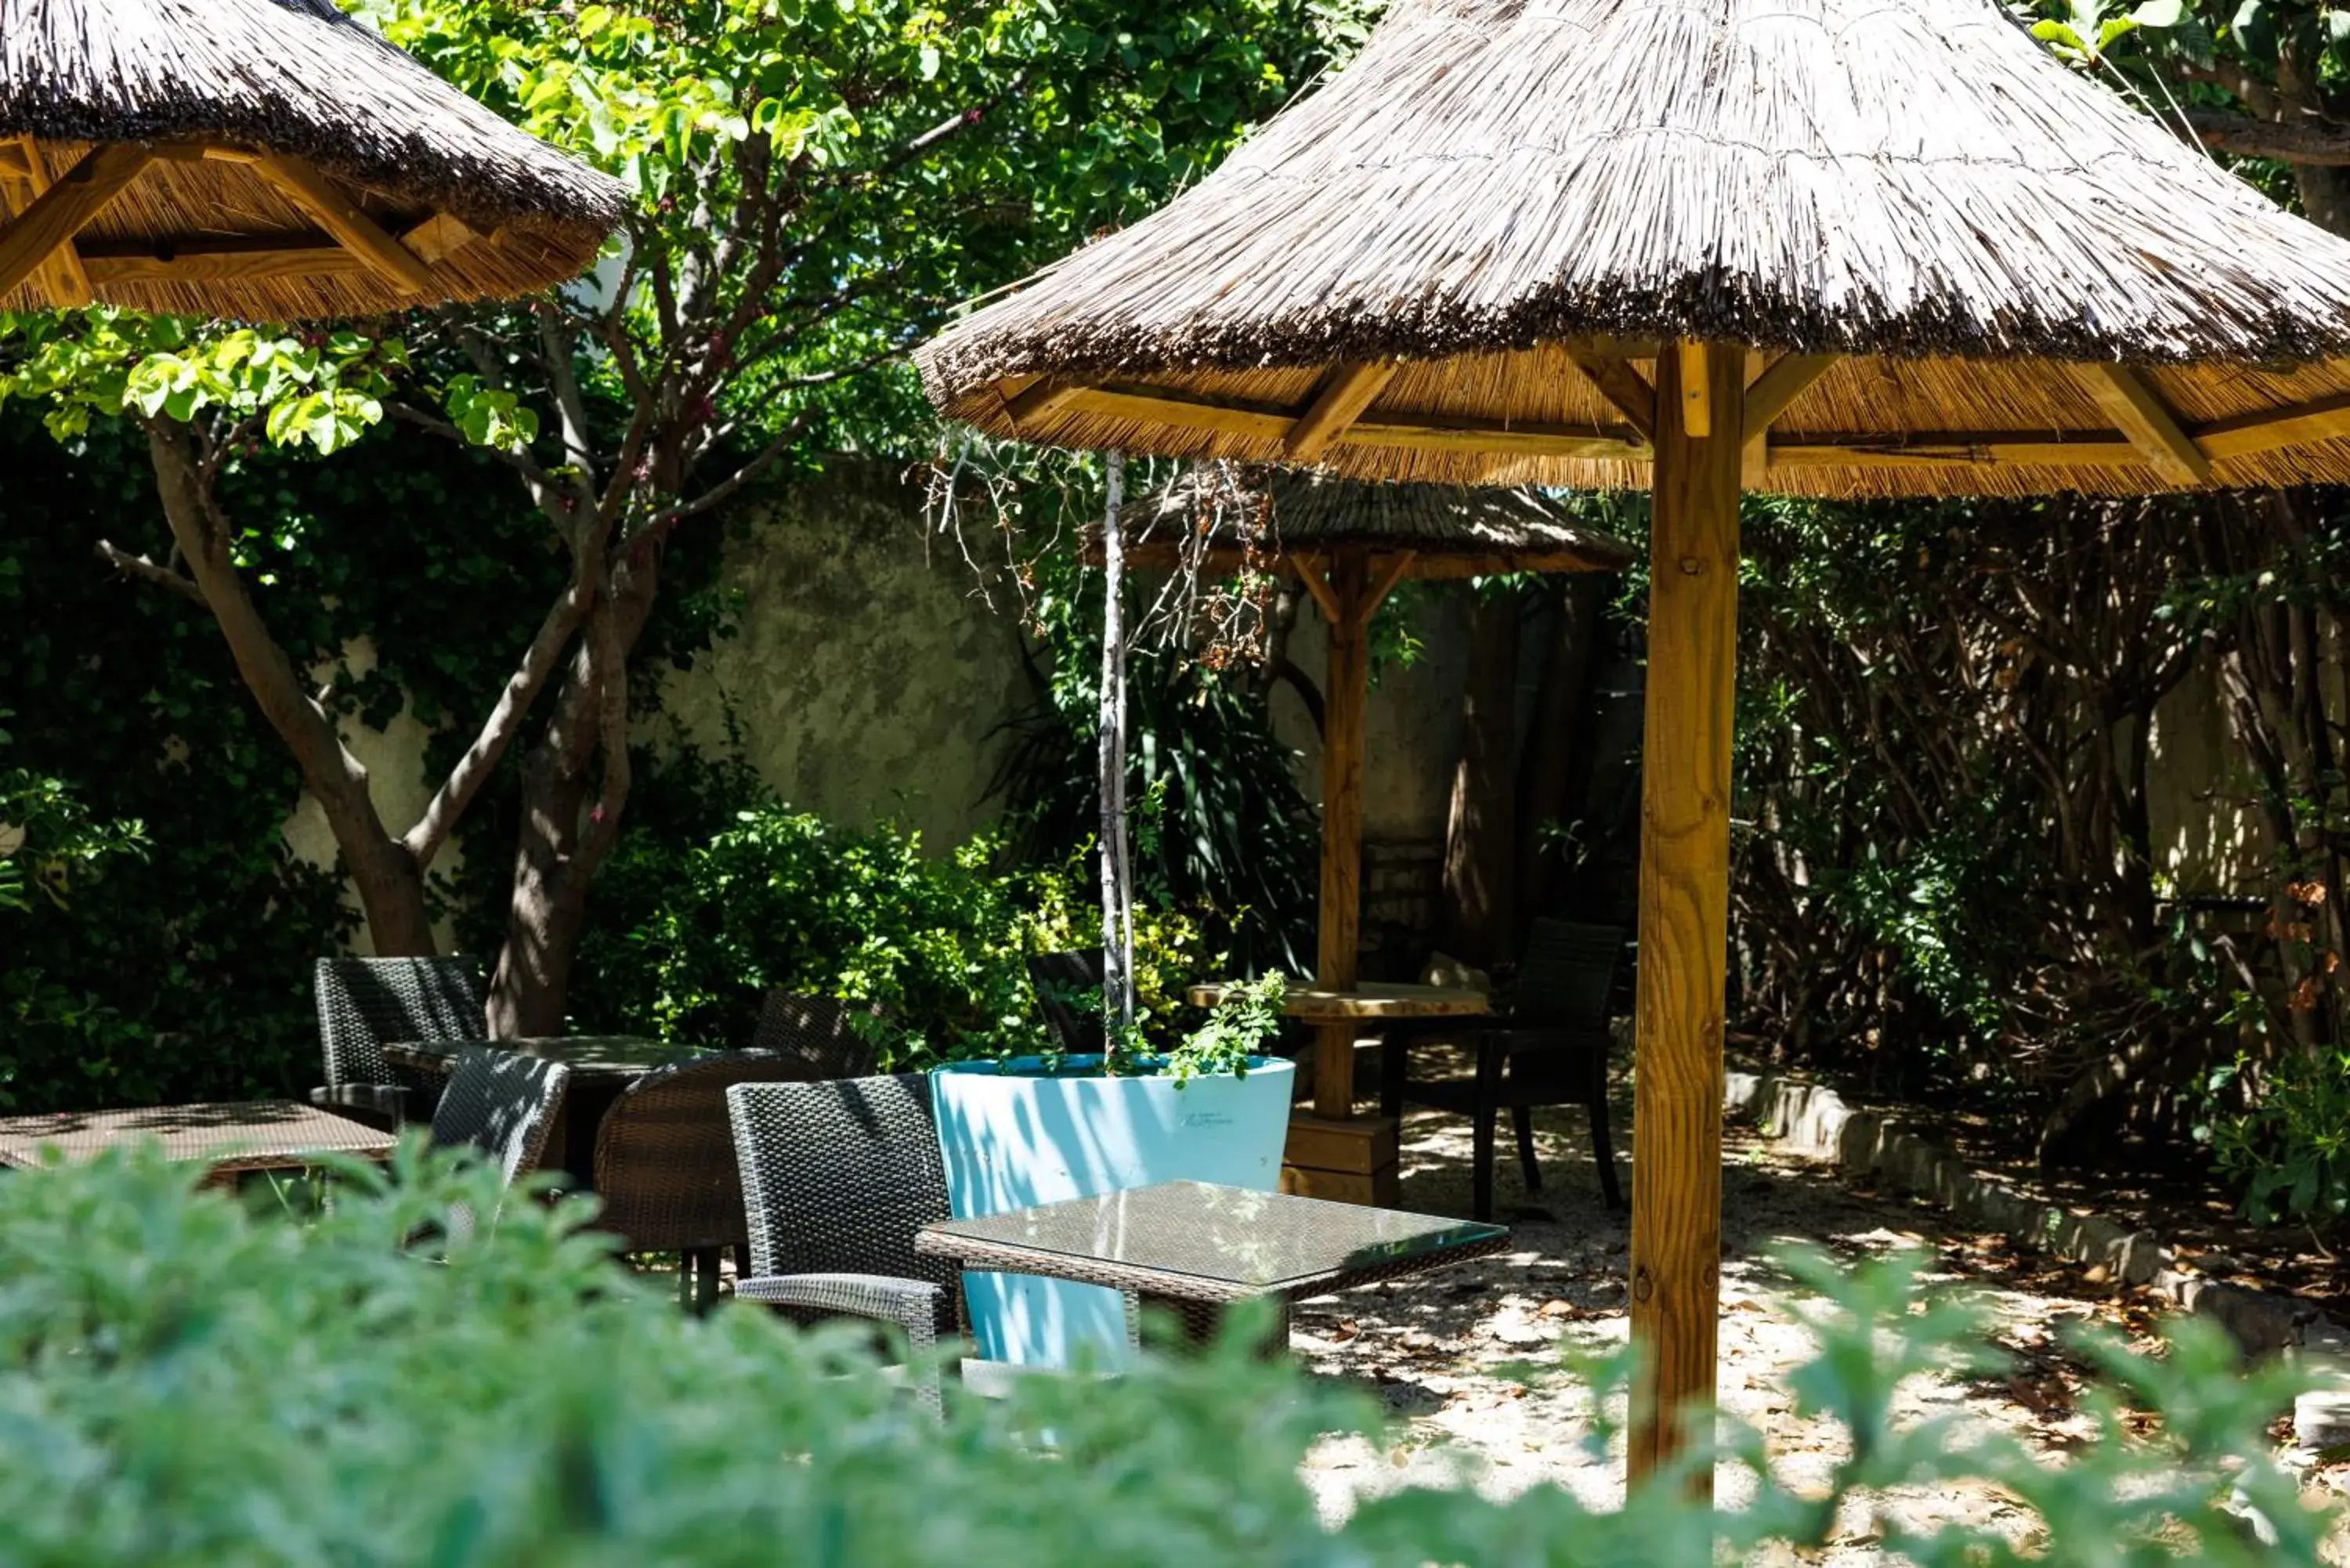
x: 1429, y: 531
x: 266, y: 159
x: 1449, y: 262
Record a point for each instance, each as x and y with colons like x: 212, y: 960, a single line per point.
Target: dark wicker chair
x: 364, y: 1002
x: 665, y: 1164
x: 1067, y: 985
x: 1549, y: 1048
x: 837, y: 1177
x: 504, y: 1104
x: 817, y: 1031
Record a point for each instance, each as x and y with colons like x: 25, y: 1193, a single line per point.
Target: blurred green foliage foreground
x: 193, y: 1379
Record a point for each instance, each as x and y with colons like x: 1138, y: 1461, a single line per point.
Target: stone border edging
x: 1815, y: 1123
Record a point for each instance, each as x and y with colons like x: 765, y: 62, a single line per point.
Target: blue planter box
x: 1014, y: 1138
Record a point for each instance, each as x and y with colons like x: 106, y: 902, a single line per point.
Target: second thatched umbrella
x: 1826, y: 247
x: 1348, y: 543
x: 265, y: 159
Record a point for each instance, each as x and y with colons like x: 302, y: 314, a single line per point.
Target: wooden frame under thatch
x: 266, y: 159
x: 1828, y: 247
x: 1349, y: 544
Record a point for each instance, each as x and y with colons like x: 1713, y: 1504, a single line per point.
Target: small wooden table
x: 1196, y: 1248
x: 253, y: 1135
x: 1332, y: 1153
x: 602, y: 1065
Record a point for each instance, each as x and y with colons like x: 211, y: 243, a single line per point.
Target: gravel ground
x: 1448, y: 1352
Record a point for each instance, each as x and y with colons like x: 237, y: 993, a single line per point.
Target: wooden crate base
x: 1351, y: 1161
x: 1381, y: 1189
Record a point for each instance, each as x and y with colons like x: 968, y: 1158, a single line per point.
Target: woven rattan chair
x: 665, y: 1164
x: 363, y: 1004
x: 1068, y: 989
x: 504, y: 1104
x: 837, y: 1178
x: 1549, y: 1048
x: 817, y: 1031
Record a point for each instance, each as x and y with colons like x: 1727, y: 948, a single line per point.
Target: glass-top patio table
x: 252, y: 1135
x: 1195, y: 1248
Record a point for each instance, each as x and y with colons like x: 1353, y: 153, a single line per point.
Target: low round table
x: 1333, y: 1153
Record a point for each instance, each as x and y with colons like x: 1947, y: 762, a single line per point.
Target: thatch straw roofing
x: 298, y: 82
x: 1514, y: 198
x: 1448, y: 531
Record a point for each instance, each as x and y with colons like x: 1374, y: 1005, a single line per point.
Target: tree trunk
x: 1546, y: 772
x: 1480, y: 836
x: 390, y: 882
x: 1116, y: 870
x: 568, y: 822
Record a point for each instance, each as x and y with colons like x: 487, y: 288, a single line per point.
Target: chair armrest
x: 913, y: 1303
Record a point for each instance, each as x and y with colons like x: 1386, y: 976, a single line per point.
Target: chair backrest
x: 363, y: 1003
x: 1064, y: 983
x: 819, y: 1033
x: 838, y: 1176
x: 665, y: 1154
x: 502, y: 1103
x: 1567, y: 975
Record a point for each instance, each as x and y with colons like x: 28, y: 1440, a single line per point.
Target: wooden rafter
x: 1385, y: 573
x: 1029, y: 400
x: 1626, y: 390
x: 2325, y: 419
x: 2023, y: 449
x: 23, y: 178
x: 323, y: 200
x: 1344, y: 394
x: 438, y: 237
x: 2138, y: 410
x: 213, y: 259
x: 60, y: 213
x: 1784, y: 380
x: 1036, y: 404
x: 1272, y: 423
x: 1317, y: 587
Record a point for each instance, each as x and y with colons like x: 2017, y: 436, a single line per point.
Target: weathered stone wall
x: 867, y: 678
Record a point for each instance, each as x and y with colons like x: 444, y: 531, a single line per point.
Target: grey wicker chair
x: 504, y: 1104
x: 817, y: 1031
x: 364, y: 1002
x: 1549, y: 1048
x: 665, y: 1164
x: 837, y: 1178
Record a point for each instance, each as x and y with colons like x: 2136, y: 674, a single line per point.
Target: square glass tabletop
x: 1228, y: 1236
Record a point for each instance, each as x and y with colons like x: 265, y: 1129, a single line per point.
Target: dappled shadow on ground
x: 1476, y: 1360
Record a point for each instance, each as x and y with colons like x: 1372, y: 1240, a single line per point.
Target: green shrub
x: 784, y: 898
x: 186, y: 1381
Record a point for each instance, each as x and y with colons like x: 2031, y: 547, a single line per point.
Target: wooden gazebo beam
x: 2145, y: 432
x: 41, y: 238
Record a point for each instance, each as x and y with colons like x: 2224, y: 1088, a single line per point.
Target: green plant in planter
x: 1243, y: 1024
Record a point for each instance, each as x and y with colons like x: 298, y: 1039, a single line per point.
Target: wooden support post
x: 1345, y: 691
x: 1684, y: 904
